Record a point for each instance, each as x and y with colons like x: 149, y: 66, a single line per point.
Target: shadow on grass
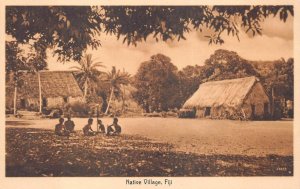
x: 34, y: 152
x: 17, y: 123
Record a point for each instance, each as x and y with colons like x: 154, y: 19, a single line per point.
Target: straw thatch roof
x: 53, y: 84
x: 230, y: 93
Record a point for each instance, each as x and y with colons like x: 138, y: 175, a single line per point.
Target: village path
x: 201, y: 136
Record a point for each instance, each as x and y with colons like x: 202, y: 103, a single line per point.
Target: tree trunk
x: 123, y: 99
x: 15, y: 100
x: 97, y: 118
x: 85, y: 89
x: 40, y: 92
x: 272, y: 103
x: 111, y: 94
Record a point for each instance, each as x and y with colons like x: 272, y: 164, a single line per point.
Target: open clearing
x: 152, y: 147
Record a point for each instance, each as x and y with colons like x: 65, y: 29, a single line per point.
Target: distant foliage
x: 78, y: 109
x: 278, y: 75
x: 224, y: 64
x: 116, y: 79
x: 190, y: 78
x: 157, y: 84
x: 87, y: 74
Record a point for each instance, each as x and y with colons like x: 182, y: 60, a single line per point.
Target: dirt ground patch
x: 38, y: 152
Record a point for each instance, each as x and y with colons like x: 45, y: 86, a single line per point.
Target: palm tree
x: 116, y: 79
x: 88, y: 72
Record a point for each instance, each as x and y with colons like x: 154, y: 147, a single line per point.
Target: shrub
x: 79, y: 109
x: 186, y: 113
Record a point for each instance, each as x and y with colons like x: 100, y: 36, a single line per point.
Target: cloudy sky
x: 275, y: 43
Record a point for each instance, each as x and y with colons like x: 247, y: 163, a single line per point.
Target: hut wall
x: 215, y: 112
x: 59, y: 102
x: 9, y: 95
x: 246, y: 109
x: 55, y: 102
x: 9, y: 102
x: 220, y: 112
x: 31, y: 104
x: 200, y: 112
x: 257, y: 98
x: 258, y: 112
x: 75, y: 99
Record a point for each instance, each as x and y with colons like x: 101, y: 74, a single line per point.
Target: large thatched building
x: 243, y: 98
x: 57, y: 88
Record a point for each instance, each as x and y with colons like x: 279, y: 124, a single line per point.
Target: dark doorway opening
x: 266, y: 110
x: 22, y: 103
x: 207, y: 111
x: 44, y: 102
x: 66, y: 99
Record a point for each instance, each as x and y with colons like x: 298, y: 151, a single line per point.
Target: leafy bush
x: 186, y: 113
x: 78, y: 109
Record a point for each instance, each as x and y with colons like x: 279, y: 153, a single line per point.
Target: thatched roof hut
x: 54, y: 84
x: 57, y: 88
x: 230, y: 97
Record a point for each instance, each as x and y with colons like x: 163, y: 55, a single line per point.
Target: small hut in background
x: 243, y: 98
x: 57, y: 89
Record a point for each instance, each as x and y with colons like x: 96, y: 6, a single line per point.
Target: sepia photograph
x: 149, y: 91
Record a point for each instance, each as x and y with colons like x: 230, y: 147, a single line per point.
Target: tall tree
x: 88, y: 72
x: 17, y: 62
x: 13, y: 64
x: 157, y: 84
x: 116, y: 79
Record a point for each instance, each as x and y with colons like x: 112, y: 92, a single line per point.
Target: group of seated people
x: 65, y: 128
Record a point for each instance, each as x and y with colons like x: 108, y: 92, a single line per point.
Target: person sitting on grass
x: 114, y: 129
x: 100, y: 126
x: 60, y: 128
x: 87, y: 129
x: 70, y: 125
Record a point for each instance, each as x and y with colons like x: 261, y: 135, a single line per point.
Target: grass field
x: 152, y: 147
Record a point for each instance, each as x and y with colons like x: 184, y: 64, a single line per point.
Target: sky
x: 275, y: 42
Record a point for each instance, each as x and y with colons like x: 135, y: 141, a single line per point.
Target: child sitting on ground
x: 70, y: 125
x: 87, y: 129
x: 100, y: 126
x: 115, y: 128
x: 60, y: 128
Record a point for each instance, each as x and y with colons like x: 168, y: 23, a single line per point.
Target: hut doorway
x: 22, y: 103
x: 65, y: 99
x: 44, y: 102
x: 207, y: 111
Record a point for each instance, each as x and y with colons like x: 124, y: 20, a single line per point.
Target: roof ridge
x: 52, y: 71
x: 232, y: 80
